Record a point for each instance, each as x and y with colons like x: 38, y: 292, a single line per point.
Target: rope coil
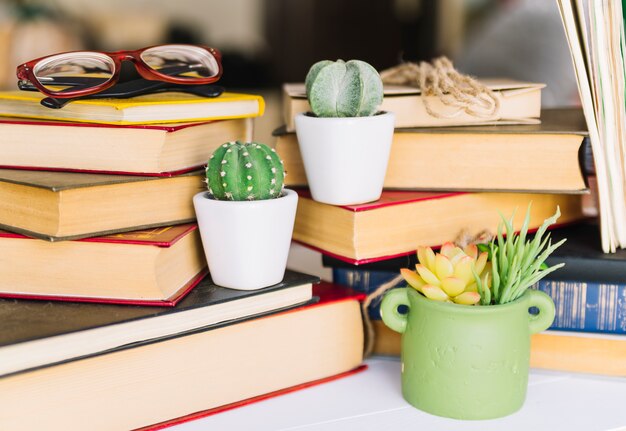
x: 462, y: 93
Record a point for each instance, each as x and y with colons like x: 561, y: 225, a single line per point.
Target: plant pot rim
x: 285, y: 194
x: 377, y: 115
x: 468, y: 309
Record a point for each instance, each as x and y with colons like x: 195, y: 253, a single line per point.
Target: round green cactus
x: 239, y: 171
x: 340, y: 89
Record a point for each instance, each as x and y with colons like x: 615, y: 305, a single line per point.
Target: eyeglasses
x: 83, y: 73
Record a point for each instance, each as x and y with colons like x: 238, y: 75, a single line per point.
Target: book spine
x: 580, y: 306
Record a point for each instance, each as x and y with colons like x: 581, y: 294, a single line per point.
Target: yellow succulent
x: 449, y: 275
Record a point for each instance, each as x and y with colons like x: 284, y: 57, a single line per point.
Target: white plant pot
x: 246, y: 243
x: 345, y: 159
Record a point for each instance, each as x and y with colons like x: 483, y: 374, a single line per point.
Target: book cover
x: 167, y: 107
x: 39, y: 333
x: 164, y: 236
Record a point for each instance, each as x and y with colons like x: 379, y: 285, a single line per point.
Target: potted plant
x: 345, y: 142
x: 466, y: 336
x: 246, y: 217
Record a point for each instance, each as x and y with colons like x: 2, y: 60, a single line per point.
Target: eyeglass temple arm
x: 137, y: 88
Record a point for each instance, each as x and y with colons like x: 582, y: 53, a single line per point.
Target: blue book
x: 580, y: 306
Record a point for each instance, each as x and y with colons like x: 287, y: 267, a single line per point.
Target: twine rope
x: 463, y: 239
x: 461, y: 93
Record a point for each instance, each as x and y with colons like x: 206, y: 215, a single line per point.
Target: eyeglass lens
x: 73, y: 71
x: 181, y: 61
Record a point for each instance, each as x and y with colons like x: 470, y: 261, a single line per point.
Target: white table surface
x: 371, y: 400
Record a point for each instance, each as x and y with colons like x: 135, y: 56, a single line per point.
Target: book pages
x: 595, y: 34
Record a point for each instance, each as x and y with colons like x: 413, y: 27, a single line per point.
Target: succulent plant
x: 239, y: 171
x: 449, y: 275
x: 343, y: 89
x: 517, y: 263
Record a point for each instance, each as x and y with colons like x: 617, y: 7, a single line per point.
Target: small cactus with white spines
x: 240, y: 171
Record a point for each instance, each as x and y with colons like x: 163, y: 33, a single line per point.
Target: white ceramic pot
x: 345, y: 159
x: 246, y: 243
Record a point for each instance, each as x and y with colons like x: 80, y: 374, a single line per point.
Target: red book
x: 400, y: 221
x: 151, y: 150
x: 191, y: 374
x: 149, y: 267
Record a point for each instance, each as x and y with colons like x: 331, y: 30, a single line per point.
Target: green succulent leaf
x: 516, y: 263
x: 340, y: 89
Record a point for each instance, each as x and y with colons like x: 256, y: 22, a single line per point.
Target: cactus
x: 340, y: 89
x: 450, y: 275
x: 239, y: 171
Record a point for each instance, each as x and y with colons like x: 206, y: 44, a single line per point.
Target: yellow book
x: 170, y: 107
x: 580, y: 352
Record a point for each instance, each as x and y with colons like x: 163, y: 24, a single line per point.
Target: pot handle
x: 543, y: 320
x: 389, y: 309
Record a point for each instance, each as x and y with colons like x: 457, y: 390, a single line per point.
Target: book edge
x: 167, y: 302
x: 210, y: 412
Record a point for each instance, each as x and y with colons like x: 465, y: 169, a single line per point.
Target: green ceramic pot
x: 465, y: 362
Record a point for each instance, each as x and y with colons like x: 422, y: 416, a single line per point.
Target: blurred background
x: 268, y: 42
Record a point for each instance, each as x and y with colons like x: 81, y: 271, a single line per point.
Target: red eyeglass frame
x: 25, y: 71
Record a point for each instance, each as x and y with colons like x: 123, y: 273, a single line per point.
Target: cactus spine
x: 340, y: 89
x: 239, y: 171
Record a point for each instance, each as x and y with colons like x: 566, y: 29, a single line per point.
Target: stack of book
x: 109, y: 317
x: 445, y: 183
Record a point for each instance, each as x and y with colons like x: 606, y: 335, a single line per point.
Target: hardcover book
x: 580, y: 352
x: 61, y: 205
x: 581, y: 253
x: 157, y: 150
x: 167, y: 107
x: 39, y: 333
x: 469, y: 158
x: 400, y: 221
x: 150, y: 267
x: 580, y: 305
x: 520, y: 103
x: 189, y: 375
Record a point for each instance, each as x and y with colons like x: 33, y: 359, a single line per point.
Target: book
x: 520, y: 103
x: 150, y: 383
x: 469, y: 158
x: 583, y: 256
x: 43, y: 333
x: 595, y: 34
x: 61, y: 205
x: 580, y: 305
x: 400, y: 221
x: 580, y: 352
x: 581, y: 253
x: 167, y: 107
x: 159, y: 149
x: 151, y: 267
x: 243, y: 403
